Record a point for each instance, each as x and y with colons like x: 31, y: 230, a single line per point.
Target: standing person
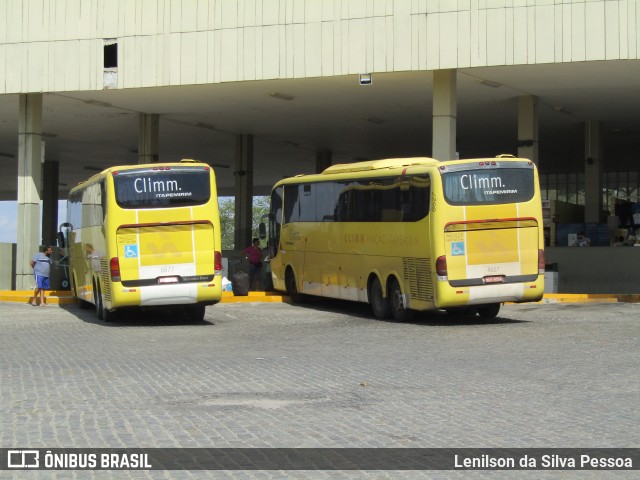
x: 41, y: 265
x: 253, y: 253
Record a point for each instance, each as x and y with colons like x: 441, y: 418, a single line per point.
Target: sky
x: 9, y: 219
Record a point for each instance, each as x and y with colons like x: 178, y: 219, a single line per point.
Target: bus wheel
x: 292, y: 287
x: 81, y: 303
x: 489, y: 311
x: 380, y: 305
x: 101, y: 312
x: 400, y: 312
x: 109, y: 315
x: 195, y: 313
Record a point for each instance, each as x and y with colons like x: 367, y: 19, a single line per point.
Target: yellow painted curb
x: 590, y: 298
x: 52, y: 297
x: 60, y: 297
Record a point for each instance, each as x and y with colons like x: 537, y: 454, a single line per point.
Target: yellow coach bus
x: 146, y: 236
x: 411, y: 234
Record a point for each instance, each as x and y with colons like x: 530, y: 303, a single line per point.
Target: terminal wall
x: 596, y: 269
x: 53, y: 46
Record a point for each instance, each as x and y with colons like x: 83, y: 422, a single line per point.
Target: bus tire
x: 379, y: 304
x: 83, y: 304
x: 292, y: 286
x: 400, y: 312
x: 489, y: 311
x: 195, y: 313
x: 108, y: 315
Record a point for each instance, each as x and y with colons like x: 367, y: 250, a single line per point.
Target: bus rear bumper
x: 170, y: 294
x: 486, y: 294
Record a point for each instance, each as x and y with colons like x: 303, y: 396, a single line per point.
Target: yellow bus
x: 411, y: 234
x: 146, y: 236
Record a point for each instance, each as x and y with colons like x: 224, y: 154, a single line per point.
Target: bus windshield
x: 480, y: 186
x: 152, y: 188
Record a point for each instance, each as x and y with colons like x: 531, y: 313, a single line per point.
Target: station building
x: 263, y: 89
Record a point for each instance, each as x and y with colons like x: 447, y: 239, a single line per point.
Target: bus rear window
x: 488, y: 187
x: 150, y: 188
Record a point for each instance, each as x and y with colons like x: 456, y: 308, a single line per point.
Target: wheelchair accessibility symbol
x: 457, y: 248
x: 131, y: 251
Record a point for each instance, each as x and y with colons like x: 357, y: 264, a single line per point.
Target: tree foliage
x: 226, y: 206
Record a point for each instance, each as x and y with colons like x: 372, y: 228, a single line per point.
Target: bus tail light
x: 441, y: 267
x: 217, y: 262
x: 114, y: 268
x: 540, y: 262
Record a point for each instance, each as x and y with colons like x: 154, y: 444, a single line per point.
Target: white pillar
x: 148, y: 138
x: 29, y: 186
x: 592, y: 172
x: 444, y: 114
x: 243, y: 191
x: 528, y: 127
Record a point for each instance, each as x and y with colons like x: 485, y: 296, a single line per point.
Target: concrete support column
x: 29, y: 186
x: 243, y: 191
x: 148, y: 138
x: 528, y: 127
x: 50, y: 202
x: 444, y: 114
x: 592, y: 172
x: 323, y: 160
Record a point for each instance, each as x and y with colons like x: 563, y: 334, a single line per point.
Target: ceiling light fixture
x: 98, y: 103
x: 490, y: 84
x: 203, y: 125
x: 8, y: 155
x: 561, y: 109
x: 281, y: 96
x: 375, y: 120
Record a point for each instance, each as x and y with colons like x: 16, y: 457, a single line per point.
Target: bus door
x: 293, y: 239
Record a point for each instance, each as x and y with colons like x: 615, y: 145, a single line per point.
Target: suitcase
x: 240, y: 283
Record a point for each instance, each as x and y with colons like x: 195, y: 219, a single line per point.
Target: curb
x: 63, y: 297
x: 590, y: 298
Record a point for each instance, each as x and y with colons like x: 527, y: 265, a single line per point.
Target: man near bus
x: 253, y: 254
x: 41, y: 265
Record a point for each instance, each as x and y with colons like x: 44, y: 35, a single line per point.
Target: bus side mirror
x: 262, y: 231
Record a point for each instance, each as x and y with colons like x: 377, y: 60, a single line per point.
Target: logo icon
x: 23, y: 459
x: 131, y: 251
x: 457, y: 248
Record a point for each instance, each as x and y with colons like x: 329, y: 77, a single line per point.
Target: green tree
x: 226, y: 206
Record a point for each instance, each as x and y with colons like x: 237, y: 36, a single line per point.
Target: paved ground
x: 322, y: 375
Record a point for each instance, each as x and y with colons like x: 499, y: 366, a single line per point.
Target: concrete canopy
x: 88, y: 130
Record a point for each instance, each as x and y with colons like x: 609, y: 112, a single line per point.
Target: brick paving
x: 321, y: 375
